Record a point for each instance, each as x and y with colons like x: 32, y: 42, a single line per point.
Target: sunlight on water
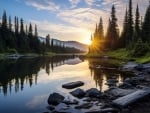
x: 28, y: 82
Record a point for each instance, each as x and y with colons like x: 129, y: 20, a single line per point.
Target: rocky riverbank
x: 131, y: 96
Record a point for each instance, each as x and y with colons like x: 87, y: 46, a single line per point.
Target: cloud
x: 62, y: 31
x: 37, y: 101
x: 89, y: 2
x: 74, y: 3
x: 43, y: 5
x: 77, y: 21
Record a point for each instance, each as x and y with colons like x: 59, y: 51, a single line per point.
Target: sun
x: 88, y: 41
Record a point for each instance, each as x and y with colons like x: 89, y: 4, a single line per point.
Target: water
x: 25, y: 84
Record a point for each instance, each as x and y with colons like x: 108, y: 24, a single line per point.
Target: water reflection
x: 16, y: 73
x: 100, y: 76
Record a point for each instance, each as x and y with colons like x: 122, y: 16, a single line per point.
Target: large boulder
x: 78, y: 93
x: 93, y: 92
x: 72, y: 85
x: 55, y: 99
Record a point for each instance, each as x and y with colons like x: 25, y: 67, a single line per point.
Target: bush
x: 12, y: 51
x: 140, y: 49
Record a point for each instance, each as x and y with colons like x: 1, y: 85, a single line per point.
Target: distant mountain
x: 74, y: 44
x: 77, y: 45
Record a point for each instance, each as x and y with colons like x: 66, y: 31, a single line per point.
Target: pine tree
x: 47, y: 41
x: 123, y: 40
x: 108, y: 36
x: 30, y: 35
x: 100, y: 29
x: 36, y: 32
x: 146, y: 26
x: 16, y: 25
x: 21, y: 27
x: 10, y: 25
x: 96, y: 33
x: 137, y: 21
x: 30, y: 32
x: 26, y: 30
x: 137, y: 31
x: 114, y: 29
x: 4, y: 20
x: 130, y: 24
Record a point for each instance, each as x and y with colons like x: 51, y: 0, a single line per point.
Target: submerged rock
x: 93, y: 92
x: 84, y: 106
x: 106, y: 110
x: 73, y: 85
x: 78, y: 93
x: 71, y: 102
x: 63, y: 108
x: 111, y: 82
x: 55, y: 99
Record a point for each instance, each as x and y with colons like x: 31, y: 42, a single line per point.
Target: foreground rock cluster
x: 123, y: 98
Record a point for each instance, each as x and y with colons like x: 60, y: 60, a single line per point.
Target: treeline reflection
x: 16, y: 73
x: 108, y: 69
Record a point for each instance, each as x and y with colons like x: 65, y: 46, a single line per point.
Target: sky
x: 68, y: 19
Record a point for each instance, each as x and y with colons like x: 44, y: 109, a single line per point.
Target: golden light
x: 88, y: 41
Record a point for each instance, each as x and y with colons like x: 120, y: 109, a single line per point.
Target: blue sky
x: 68, y: 19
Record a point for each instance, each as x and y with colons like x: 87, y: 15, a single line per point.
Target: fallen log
x: 130, y: 99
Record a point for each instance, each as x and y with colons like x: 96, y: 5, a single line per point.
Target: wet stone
x: 84, y: 106
x: 93, y: 92
x: 55, y: 99
x: 72, y: 85
x: 79, y: 93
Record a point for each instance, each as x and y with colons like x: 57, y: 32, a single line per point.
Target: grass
x: 143, y: 59
x: 119, y: 54
x: 124, y: 55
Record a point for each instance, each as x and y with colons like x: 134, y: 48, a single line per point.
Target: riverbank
x: 130, y: 96
x: 121, y: 54
x: 32, y: 55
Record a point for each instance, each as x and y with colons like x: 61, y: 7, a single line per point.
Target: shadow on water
x: 25, y: 71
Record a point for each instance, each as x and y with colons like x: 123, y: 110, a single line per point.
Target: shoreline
x: 135, y: 90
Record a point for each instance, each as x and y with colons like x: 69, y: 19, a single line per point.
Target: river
x: 25, y: 84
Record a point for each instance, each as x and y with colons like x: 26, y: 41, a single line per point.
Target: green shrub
x: 12, y: 51
x: 140, y: 49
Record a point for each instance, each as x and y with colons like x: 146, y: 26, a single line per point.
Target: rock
x: 93, y: 92
x: 117, y: 92
x: 111, y: 82
x: 130, y: 99
x: 51, y: 107
x: 139, y: 67
x: 84, y: 106
x: 135, y: 80
x: 55, y: 99
x: 109, y: 110
x: 106, y: 110
x: 73, y: 85
x: 129, y: 66
x: 125, y: 85
x: 78, y: 93
x: 63, y: 108
x: 71, y: 102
